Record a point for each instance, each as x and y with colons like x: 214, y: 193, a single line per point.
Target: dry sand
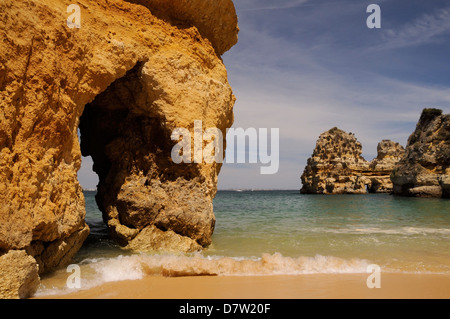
x: 323, y: 286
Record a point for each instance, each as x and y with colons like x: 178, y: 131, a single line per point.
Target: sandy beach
x: 321, y: 286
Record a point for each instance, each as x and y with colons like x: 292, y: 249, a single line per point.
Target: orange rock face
x: 50, y: 74
x: 337, y: 166
x: 425, y: 169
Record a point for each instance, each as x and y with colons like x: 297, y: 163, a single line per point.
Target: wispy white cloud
x: 423, y: 30
x: 284, y: 84
x: 305, y: 105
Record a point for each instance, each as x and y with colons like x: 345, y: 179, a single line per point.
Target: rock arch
x: 51, y: 75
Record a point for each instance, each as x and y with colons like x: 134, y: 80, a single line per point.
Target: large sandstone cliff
x: 133, y: 72
x: 425, y: 169
x: 337, y: 166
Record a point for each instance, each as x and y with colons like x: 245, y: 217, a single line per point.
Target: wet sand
x: 323, y: 286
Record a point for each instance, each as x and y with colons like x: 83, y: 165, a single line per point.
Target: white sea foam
x: 392, y: 231
x: 137, y: 266
x: 95, y: 272
x: 117, y: 269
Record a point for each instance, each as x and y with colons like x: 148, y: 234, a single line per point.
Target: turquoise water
x: 406, y: 234
x: 284, y: 232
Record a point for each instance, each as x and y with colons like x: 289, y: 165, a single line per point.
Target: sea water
x: 282, y: 233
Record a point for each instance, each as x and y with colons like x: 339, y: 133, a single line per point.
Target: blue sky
x: 305, y: 66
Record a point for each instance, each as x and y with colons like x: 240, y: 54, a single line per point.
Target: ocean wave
x: 268, y: 264
x: 169, y: 265
x: 95, y: 272
x: 393, y: 231
x: 116, y: 269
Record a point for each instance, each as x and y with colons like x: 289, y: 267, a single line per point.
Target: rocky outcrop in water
x: 332, y: 166
x: 132, y: 72
x: 425, y: 169
x: 337, y: 166
x: 389, y: 153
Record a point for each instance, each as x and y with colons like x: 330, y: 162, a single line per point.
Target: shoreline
x: 316, y: 286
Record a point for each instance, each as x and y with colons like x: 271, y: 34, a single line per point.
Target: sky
x: 305, y: 66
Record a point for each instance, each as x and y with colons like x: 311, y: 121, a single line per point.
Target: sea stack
x: 425, y: 169
x: 389, y: 153
x: 337, y: 166
x: 127, y: 76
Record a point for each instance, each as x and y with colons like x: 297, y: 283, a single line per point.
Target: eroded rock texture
x: 389, y: 153
x: 19, y: 275
x: 337, y: 166
x: 137, y: 71
x: 425, y: 169
x: 214, y: 19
